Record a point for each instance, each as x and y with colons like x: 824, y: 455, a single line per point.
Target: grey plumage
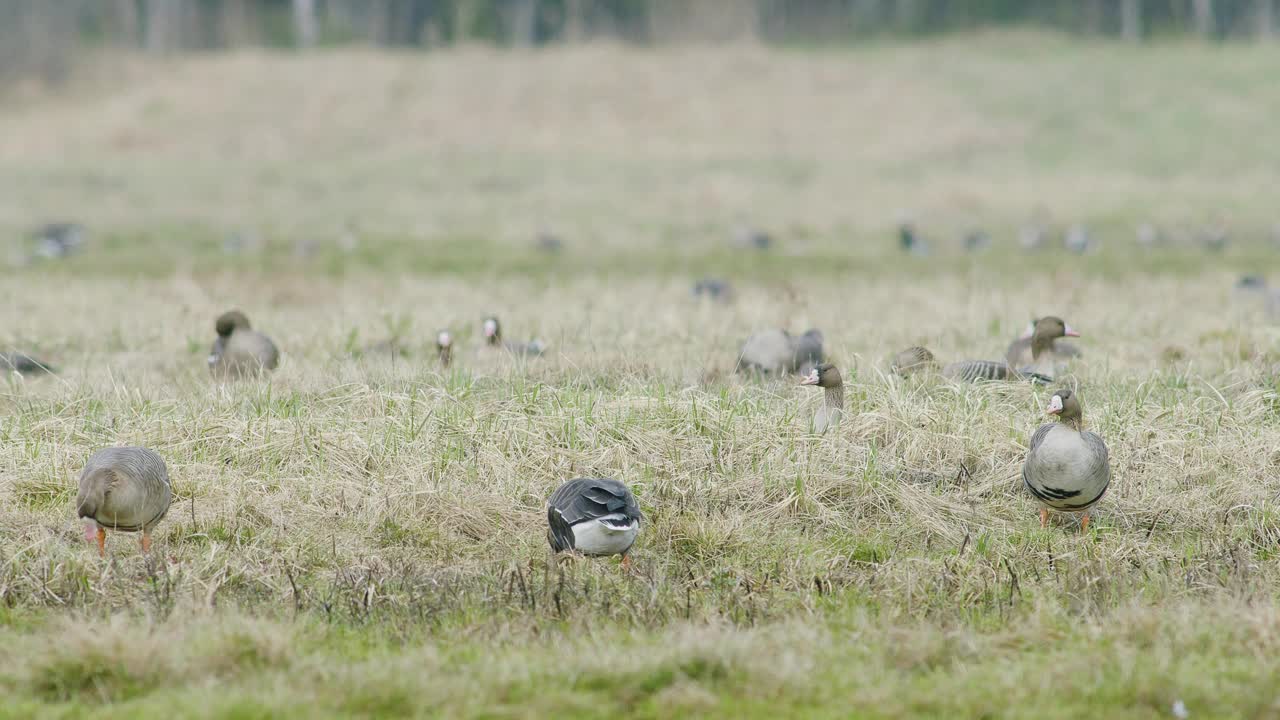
x: 239, y: 350
x: 806, y: 350
x: 777, y: 352
x: 588, y: 500
x: 59, y: 240
x: 126, y: 489
x: 713, y: 288
x: 24, y: 364
x: 912, y: 360
x: 493, y: 338
x: 976, y: 370
x: 1067, y: 468
x: 1019, y: 354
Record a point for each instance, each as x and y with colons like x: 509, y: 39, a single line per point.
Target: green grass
x: 362, y: 536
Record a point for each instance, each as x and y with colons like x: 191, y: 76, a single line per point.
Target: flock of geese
x: 127, y: 489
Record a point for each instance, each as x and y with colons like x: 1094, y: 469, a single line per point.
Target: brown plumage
x: 827, y: 377
x: 240, y: 350
x: 913, y: 360
x: 1019, y: 352
x: 123, y: 488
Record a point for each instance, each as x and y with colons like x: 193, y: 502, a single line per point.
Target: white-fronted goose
x: 1019, y: 353
x: 912, y: 360
x: 24, y: 364
x: 123, y: 488
x: 827, y: 377
x: 1067, y: 467
x: 1078, y: 240
x: 594, y: 516
x: 1041, y: 369
x: 493, y: 338
x: 444, y: 347
x: 240, y: 350
x: 775, y: 352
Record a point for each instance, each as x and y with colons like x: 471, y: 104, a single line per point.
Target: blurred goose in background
x: 593, y: 516
x: 1251, y: 283
x: 1149, y: 236
x: 775, y: 352
x: 1078, y: 240
x: 239, y: 350
x: 1215, y: 238
x: 827, y: 377
x: 59, y: 240
x: 714, y: 289
x: 125, y: 489
x: 977, y: 241
x: 913, y: 360
x: 444, y: 347
x: 24, y: 364
x: 1041, y: 370
x: 1019, y: 352
x: 1067, y: 468
x: 910, y: 240
x: 493, y: 338
x: 549, y: 243
x: 750, y: 238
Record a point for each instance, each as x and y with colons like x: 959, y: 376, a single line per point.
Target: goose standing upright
x: 1019, y: 352
x: 594, y: 516
x: 240, y: 350
x: 444, y: 348
x: 125, y: 489
x: 1067, y: 468
x: 827, y: 377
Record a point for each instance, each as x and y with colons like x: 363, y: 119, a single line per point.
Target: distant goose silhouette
x: 493, y: 338
x: 24, y: 364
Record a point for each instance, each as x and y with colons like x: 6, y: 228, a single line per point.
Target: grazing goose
x: 59, y: 240
x: 239, y: 349
x: 910, y: 241
x: 1019, y: 352
x: 826, y: 376
x: 444, y: 347
x: 594, y: 516
x: 1041, y: 369
x: 713, y: 288
x: 777, y: 352
x: 123, y: 488
x: 976, y: 241
x: 24, y: 364
x: 493, y: 338
x: 912, y: 360
x: 1067, y: 468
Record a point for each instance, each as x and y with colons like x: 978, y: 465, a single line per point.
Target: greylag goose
x: 444, y: 347
x: 123, y: 488
x: 493, y: 338
x: 827, y: 377
x: 1019, y: 352
x: 912, y: 360
x: 777, y: 352
x: 239, y: 349
x: 594, y: 516
x: 24, y: 364
x: 1067, y: 467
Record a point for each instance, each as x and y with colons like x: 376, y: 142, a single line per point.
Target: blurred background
x: 669, y: 133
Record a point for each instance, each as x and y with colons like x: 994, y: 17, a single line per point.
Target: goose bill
x: 811, y: 378
x: 1055, y: 405
x: 90, y: 531
x: 1070, y: 331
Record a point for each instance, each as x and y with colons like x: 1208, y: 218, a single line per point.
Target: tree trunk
x: 1131, y: 20
x: 305, y: 28
x: 1202, y: 11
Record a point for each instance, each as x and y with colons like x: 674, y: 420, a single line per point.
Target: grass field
x: 364, y: 537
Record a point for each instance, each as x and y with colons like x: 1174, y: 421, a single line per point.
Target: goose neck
x: 835, y: 397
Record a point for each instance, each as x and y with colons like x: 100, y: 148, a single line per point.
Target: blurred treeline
x: 41, y: 37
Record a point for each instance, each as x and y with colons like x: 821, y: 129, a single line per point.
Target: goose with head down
x: 239, y: 350
x: 24, y: 364
x: 827, y: 377
x: 593, y: 516
x: 123, y: 488
x: 1067, y: 467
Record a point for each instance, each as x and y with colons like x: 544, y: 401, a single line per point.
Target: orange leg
x: 146, y: 541
x: 1044, y: 517
x: 1084, y: 524
x: 626, y: 563
x: 102, y: 542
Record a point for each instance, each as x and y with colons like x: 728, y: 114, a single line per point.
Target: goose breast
x: 1067, y: 469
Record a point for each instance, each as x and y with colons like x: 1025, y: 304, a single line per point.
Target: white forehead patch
x: 444, y: 339
x: 490, y: 326
x: 1055, y: 404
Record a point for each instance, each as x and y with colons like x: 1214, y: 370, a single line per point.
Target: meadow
x: 364, y: 536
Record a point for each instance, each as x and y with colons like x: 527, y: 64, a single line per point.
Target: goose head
x: 1047, y: 329
x: 492, y: 331
x: 444, y: 346
x: 229, y: 322
x: 824, y: 375
x: 1066, y: 406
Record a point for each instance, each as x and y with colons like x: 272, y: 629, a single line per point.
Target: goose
x: 910, y: 240
x: 750, y: 238
x: 1149, y: 236
x: 1067, y: 468
x: 24, y: 364
x: 912, y: 360
x: 976, y: 241
x: 1078, y: 240
x: 239, y: 349
x: 125, y: 489
x: 59, y: 240
x: 1041, y: 369
x: 444, y: 347
x: 713, y: 288
x: 774, y: 352
x: 493, y: 338
x: 594, y: 516
x: 827, y: 377
x: 1019, y: 352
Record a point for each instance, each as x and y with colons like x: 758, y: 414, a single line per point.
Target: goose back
x: 912, y: 360
x: 243, y: 352
x: 578, y: 506
x: 124, y: 488
x: 767, y: 351
x: 977, y: 370
x: 24, y: 364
